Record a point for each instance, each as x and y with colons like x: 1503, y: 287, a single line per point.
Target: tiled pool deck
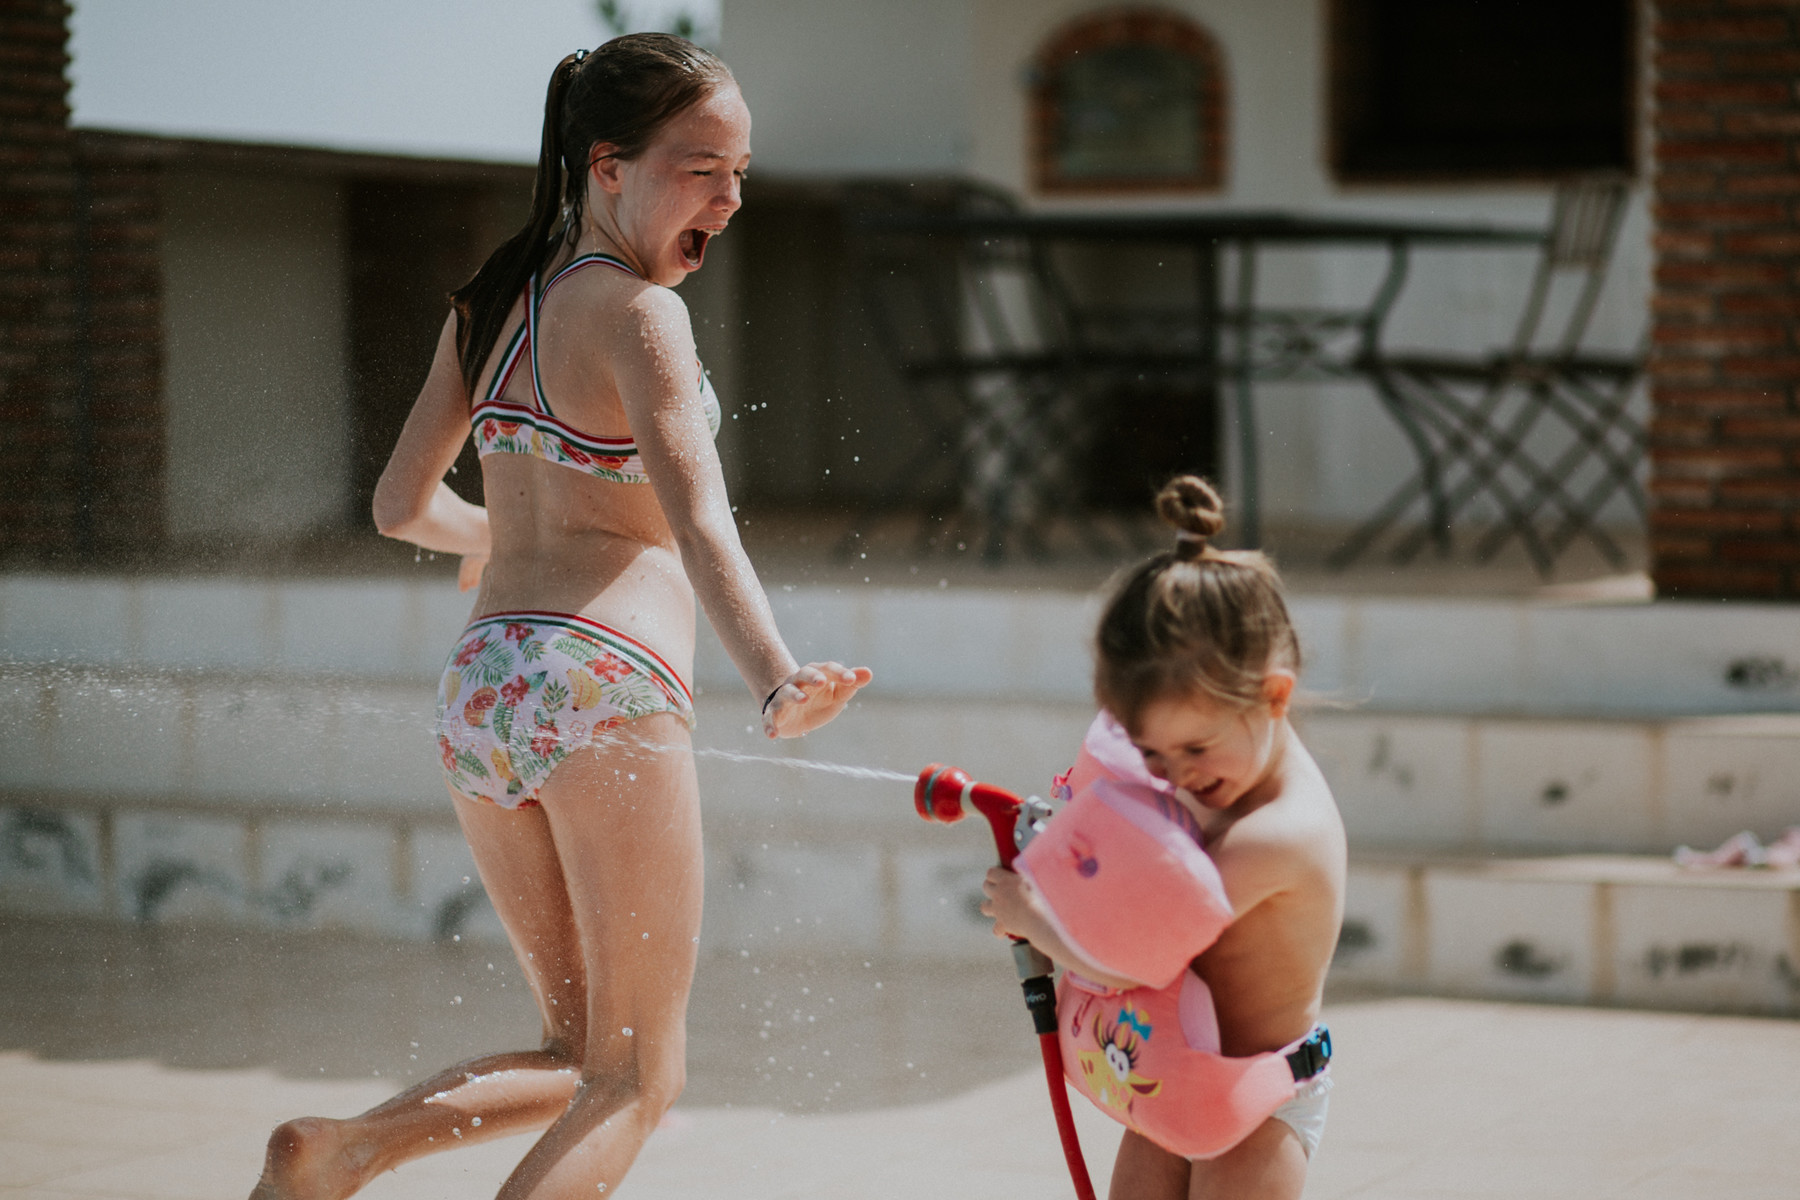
x: 151, y: 1064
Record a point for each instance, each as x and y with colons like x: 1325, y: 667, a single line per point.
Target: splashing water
x: 138, y: 695
x: 628, y: 744
x: 877, y: 774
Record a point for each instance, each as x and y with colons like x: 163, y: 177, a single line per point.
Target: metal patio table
x: 1226, y: 340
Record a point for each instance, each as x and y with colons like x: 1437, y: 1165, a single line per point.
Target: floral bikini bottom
x: 523, y: 690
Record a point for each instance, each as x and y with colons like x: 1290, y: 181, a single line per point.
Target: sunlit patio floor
x: 152, y: 1063
x: 816, y: 548
x: 905, y: 551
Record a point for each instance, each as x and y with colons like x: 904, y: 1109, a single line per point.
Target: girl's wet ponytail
x: 623, y: 94
x: 482, y: 303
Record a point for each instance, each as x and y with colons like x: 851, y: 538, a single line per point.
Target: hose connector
x: 946, y: 793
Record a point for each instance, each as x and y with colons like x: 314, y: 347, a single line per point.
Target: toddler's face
x: 1217, y: 752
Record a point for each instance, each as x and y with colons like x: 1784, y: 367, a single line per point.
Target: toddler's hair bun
x: 1193, y: 507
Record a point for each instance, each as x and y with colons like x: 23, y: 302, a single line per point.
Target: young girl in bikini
x: 564, y: 710
x: 1196, y: 667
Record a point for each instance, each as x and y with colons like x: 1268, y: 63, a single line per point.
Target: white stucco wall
x: 439, y: 78
x: 850, y: 86
x: 1329, y: 454
x: 940, y: 85
x: 257, y: 394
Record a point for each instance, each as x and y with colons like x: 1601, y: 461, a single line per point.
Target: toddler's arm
x: 1019, y: 912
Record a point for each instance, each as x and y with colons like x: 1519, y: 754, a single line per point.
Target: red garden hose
x: 941, y: 794
x: 1065, y: 1120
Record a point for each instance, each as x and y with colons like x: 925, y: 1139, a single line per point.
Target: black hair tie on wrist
x: 772, y: 696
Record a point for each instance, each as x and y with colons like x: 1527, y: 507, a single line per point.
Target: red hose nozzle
x: 941, y: 795
x: 942, y: 792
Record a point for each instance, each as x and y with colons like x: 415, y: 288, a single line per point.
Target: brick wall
x: 38, y: 299
x: 1725, y: 384
x: 120, y: 219
x: 80, y: 315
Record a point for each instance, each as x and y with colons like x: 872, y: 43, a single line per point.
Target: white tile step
x: 1539, y: 785
x: 1424, y: 654
x: 362, y: 749
x: 1590, y: 929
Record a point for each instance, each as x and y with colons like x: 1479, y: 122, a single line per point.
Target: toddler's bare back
x: 1286, y: 858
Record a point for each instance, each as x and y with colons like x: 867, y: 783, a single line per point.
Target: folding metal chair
x: 1544, y: 434
x: 980, y: 330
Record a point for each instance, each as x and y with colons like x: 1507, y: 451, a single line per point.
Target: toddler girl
x: 1196, y: 664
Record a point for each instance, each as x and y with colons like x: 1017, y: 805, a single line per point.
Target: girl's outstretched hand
x: 811, y: 696
x: 469, y: 572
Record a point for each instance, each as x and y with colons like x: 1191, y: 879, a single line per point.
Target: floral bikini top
x: 505, y: 427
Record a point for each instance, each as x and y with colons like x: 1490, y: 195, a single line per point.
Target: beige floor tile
x: 60, y: 1121
x: 223, y: 1166
x: 1768, y: 1179
x: 28, y: 1163
x: 1447, y: 1099
x: 1519, y: 1172
x: 1346, y: 1168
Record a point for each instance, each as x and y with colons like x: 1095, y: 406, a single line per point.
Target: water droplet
x: 475, y: 1121
x: 627, y: 1031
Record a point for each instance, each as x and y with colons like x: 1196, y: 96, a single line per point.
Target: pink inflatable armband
x: 1106, y: 753
x: 1126, y: 883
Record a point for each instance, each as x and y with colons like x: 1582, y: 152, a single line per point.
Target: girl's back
x: 1267, y: 970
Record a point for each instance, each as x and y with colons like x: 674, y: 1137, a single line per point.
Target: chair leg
x: 1489, y: 448
x: 1610, y: 414
x: 1457, y: 426
x: 1617, y: 471
x: 1426, y: 482
x: 1580, y: 514
x: 1370, y: 531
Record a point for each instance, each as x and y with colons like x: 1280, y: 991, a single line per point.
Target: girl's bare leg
x: 627, y: 831
x: 1270, y: 1164
x: 491, y: 1096
x: 1145, y: 1171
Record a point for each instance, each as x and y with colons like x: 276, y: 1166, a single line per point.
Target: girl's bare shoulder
x: 1294, y: 841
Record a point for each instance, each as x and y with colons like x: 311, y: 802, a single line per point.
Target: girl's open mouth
x: 692, y: 244
x: 1210, y: 788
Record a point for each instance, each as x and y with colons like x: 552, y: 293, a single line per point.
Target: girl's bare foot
x: 308, y: 1159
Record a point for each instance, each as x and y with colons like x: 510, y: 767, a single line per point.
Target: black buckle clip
x: 1311, y: 1056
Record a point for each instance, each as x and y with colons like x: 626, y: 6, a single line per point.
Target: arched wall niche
x: 1128, y: 100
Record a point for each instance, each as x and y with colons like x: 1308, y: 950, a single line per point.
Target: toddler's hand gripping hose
x: 941, y: 794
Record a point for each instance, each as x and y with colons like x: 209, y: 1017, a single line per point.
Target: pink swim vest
x: 1123, y: 870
